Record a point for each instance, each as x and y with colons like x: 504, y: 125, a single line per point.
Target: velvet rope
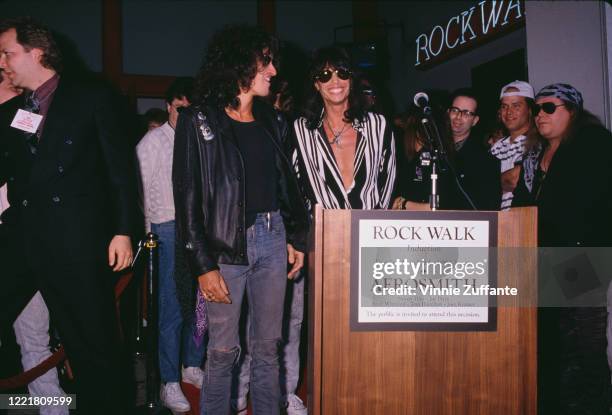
x: 28, y: 376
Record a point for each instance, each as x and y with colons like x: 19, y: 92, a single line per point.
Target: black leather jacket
x: 208, y: 185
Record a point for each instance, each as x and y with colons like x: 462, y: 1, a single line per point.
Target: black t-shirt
x: 261, y: 176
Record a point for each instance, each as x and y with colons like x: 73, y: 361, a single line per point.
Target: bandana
x: 565, y: 92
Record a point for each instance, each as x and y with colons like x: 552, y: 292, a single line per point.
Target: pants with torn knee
x: 263, y: 281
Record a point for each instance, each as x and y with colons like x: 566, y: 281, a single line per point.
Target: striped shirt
x: 510, y: 153
x: 373, y: 174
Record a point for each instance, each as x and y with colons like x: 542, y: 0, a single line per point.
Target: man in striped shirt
x: 516, y: 100
x: 344, y: 156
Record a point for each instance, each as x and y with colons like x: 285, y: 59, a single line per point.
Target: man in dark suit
x: 71, y: 191
x: 478, y: 172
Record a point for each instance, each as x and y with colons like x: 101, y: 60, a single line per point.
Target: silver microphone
x: 421, y: 100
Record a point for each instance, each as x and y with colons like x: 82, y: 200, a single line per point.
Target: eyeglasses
x: 547, y: 107
x: 461, y: 113
x: 326, y: 74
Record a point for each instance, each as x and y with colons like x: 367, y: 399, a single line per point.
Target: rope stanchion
x: 153, y: 404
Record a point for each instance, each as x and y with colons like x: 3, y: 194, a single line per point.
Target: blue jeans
x: 292, y: 329
x: 173, y: 331
x: 294, y: 315
x: 264, y: 280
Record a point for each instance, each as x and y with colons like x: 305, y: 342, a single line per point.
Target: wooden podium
x: 419, y: 372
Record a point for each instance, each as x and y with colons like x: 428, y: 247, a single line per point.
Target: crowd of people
x: 229, y: 175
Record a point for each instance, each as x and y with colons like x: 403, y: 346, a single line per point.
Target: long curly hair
x: 332, y: 57
x: 32, y: 34
x: 230, y: 64
x: 579, y: 119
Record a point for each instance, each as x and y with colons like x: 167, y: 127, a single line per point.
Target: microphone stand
x: 438, y: 151
x: 438, y: 154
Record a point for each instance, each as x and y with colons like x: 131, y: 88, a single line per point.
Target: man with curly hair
x: 239, y: 213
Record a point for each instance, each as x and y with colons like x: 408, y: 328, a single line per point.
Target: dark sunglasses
x: 326, y: 74
x: 547, y: 107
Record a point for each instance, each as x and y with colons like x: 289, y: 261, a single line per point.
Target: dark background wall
x: 310, y: 24
x: 80, y: 21
x: 420, y: 17
x: 167, y: 37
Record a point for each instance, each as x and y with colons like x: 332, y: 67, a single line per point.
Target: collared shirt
x: 44, y: 95
x: 374, y: 170
x: 155, y: 152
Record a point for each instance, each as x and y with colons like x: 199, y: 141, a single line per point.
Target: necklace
x: 337, y: 135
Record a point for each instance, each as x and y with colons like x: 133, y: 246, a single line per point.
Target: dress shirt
x: 155, y: 152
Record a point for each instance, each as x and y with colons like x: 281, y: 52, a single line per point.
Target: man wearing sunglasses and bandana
x: 344, y: 156
x: 573, y: 192
x: 239, y: 214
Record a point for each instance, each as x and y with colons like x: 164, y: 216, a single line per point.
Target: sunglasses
x: 326, y: 74
x: 547, y: 107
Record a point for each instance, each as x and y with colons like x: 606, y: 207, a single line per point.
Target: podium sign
x: 423, y: 270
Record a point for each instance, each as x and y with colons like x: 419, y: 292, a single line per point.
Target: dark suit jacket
x: 69, y: 200
x: 479, y: 175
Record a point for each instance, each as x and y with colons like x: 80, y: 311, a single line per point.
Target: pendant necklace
x: 337, y: 135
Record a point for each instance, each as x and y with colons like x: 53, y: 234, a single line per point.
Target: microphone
x: 421, y: 100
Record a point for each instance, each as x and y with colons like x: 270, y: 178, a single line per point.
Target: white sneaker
x: 193, y: 375
x: 172, y: 398
x: 295, y: 406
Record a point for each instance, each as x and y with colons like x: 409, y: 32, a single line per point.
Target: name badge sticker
x: 26, y: 121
